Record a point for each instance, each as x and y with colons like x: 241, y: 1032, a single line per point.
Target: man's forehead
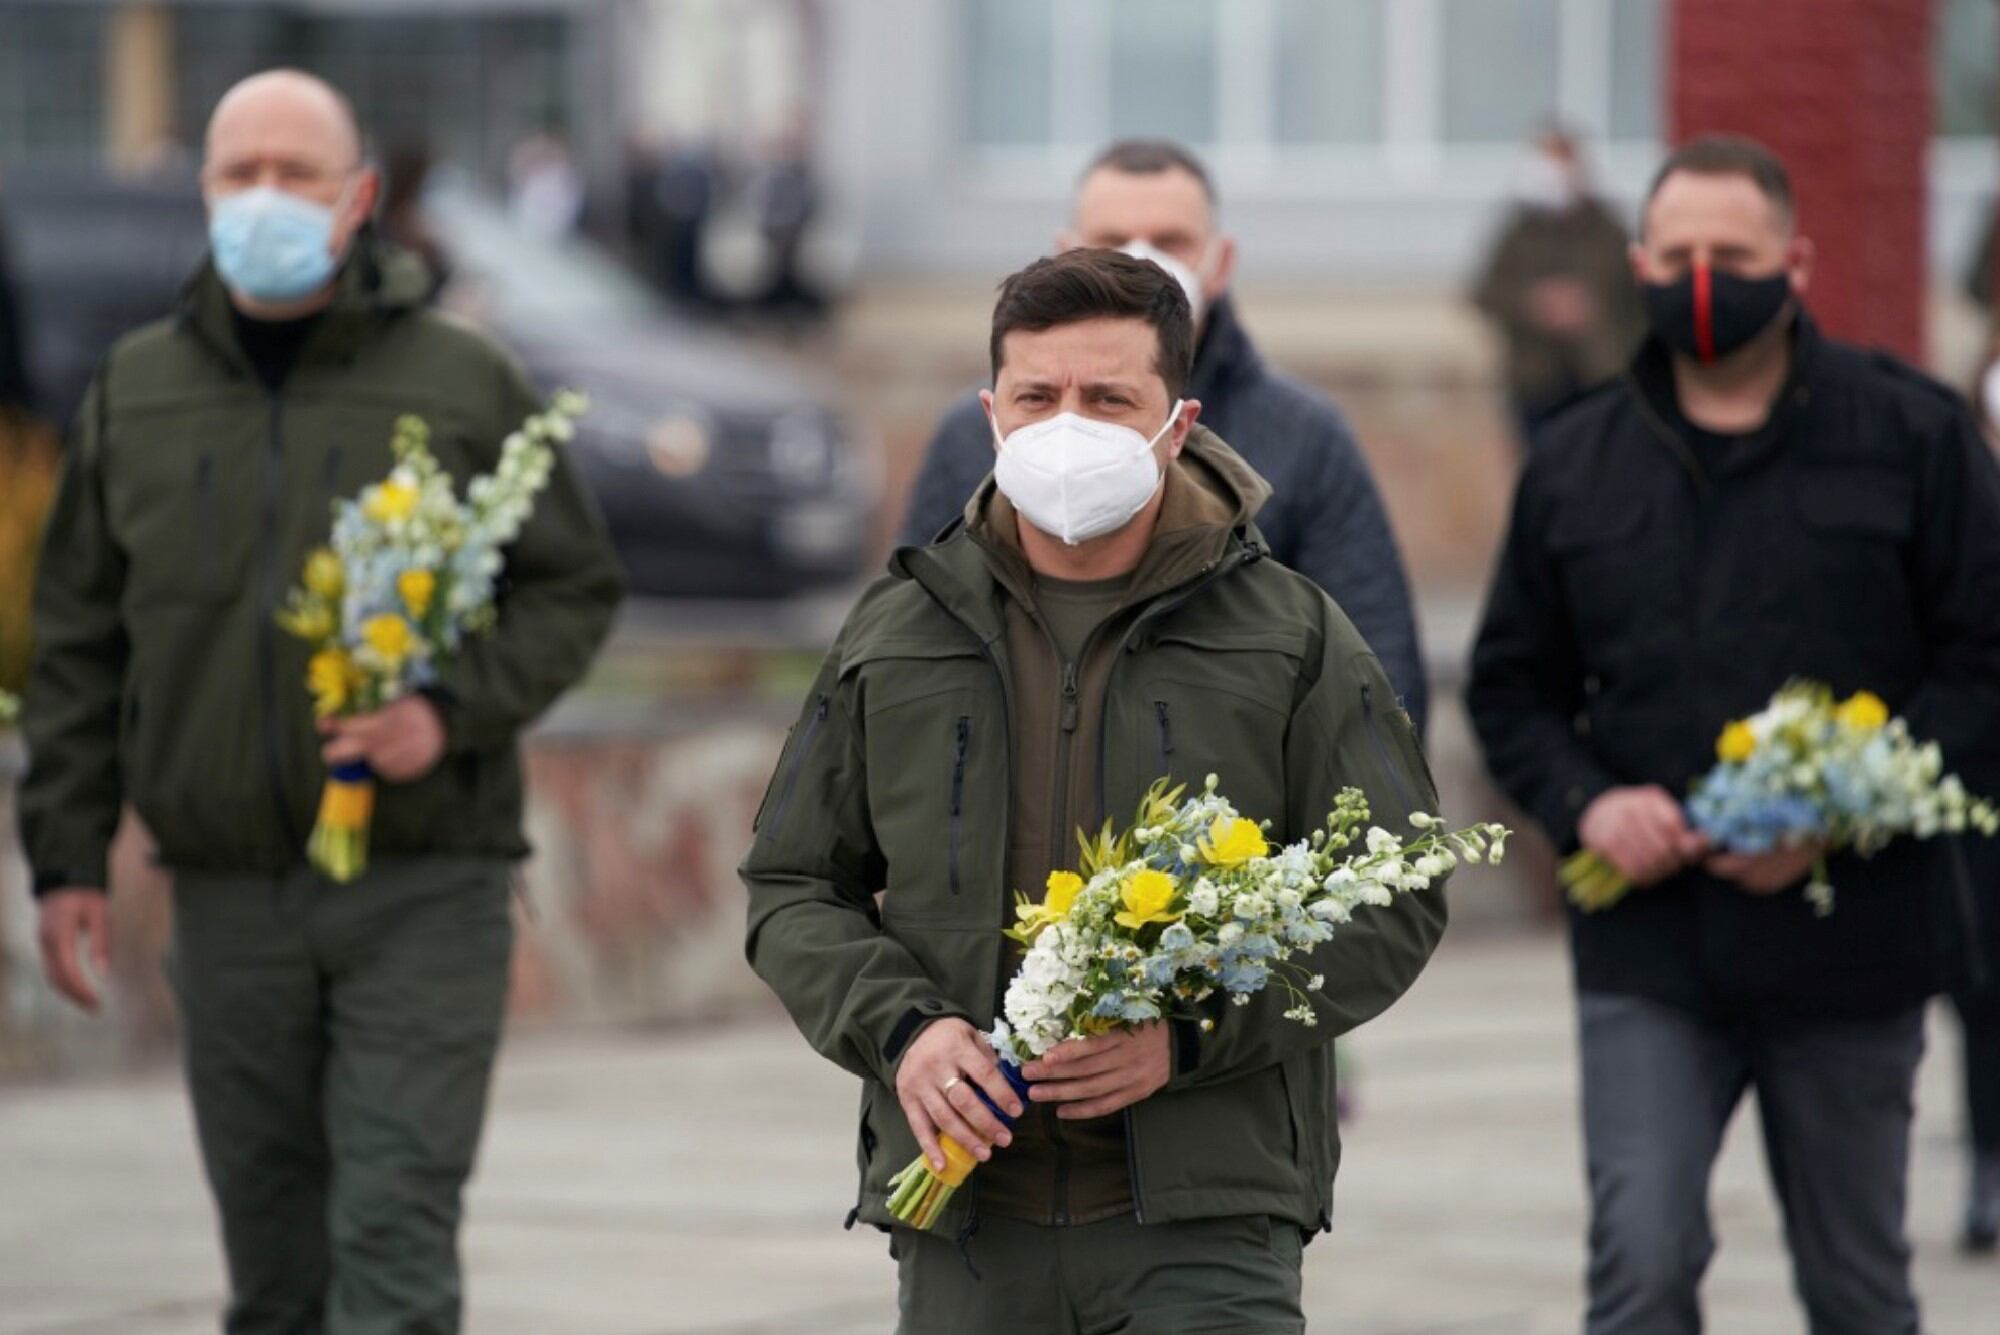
x: 283, y: 117
x: 1132, y: 203
x: 1692, y: 207
x: 1085, y: 350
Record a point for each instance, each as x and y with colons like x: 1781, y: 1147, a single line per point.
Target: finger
x: 965, y: 1099
x: 60, y: 964
x: 924, y: 1130
x: 1074, y: 1050
x: 947, y: 1120
x: 996, y: 1087
x: 97, y: 931
x: 1104, y: 1107
x: 343, y: 750
x: 1096, y: 1061
x: 329, y: 727
x: 1077, y: 1091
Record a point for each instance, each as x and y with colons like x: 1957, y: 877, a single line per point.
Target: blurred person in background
x: 685, y: 192
x: 339, y: 1038
x: 1752, y: 503
x: 16, y: 397
x: 1165, y: 1176
x: 1325, y: 518
x: 1558, y: 286
x: 545, y: 191
x: 786, y: 194
x: 406, y: 172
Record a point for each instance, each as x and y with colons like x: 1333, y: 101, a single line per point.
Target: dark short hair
x: 1730, y: 155
x: 1149, y: 157
x: 1099, y: 284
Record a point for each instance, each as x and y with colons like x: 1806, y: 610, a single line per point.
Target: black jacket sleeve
x: 958, y: 459
x: 1527, y: 685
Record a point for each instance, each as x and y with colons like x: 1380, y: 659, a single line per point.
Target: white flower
x: 1422, y: 820
x: 1381, y: 841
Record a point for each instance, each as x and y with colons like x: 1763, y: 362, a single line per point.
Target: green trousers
x: 1236, y: 1276
x: 340, y: 1042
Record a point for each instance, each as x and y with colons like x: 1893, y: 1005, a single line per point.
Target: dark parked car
x: 721, y: 471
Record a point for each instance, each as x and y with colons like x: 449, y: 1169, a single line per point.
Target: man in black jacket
x: 1752, y: 502
x: 1154, y: 199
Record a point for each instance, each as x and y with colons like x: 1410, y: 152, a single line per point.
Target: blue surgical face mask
x: 271, y: 245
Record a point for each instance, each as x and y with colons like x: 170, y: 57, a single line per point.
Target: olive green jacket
x: 898, y: 778
x: 191, y: 495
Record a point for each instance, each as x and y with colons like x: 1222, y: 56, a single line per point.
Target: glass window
x: 1330, y: 56
x: 1638, y: 59
x: 1010, y: 54
x: 1500, y: 64
x: 1163, y: 68
x: 51, y: 82
x: 1968, y: 47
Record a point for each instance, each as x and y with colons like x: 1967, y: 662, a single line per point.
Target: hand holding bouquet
x: 1192, y: 902
x: 1810, y: 771
x: 410, y: 573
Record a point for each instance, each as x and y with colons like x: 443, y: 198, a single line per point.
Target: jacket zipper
x: 777, y: 822
x: 958, y: 795
x: 1066, y: 733
x: 267, y: 632
x: 1381, y: 748
x: 1164, y: 720
x: 204, y: 507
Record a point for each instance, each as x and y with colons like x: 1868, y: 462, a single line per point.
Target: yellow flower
x: 1864, y: 711
x: 1063, y: 888
x: 324, y: 575
x: 330, y: 678
x: 1231, y: 842
x: 1146, y: 897
x: 389, y: 636
x: 309, y: 620
x: 415, y: 588
x: 1737, y: 743
x: 389, y: 501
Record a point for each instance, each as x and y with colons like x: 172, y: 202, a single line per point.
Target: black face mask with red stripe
x: 1709, y: 313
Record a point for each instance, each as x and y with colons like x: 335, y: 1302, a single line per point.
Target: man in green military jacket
x: 1106, y: 614
x: 339, y: 1037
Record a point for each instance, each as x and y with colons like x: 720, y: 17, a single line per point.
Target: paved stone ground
x: 664, y: 1184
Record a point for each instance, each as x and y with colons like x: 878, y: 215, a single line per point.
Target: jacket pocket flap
x: 1864, y: 500
x: 877, y: 648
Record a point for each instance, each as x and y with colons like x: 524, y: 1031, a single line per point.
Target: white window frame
x: 1411, y: 157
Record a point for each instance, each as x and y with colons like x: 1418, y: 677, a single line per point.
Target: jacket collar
x: 1224, y: 355
x: 1651, y: 377
x: 1204, y: 523
x: 376, y: 282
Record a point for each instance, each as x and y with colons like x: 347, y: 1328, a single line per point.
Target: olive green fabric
x: 1234, y: 1276
x: 898, y: 779
x: 340, y: 1041
x: 1059, y: 1172
x: 190, y: 498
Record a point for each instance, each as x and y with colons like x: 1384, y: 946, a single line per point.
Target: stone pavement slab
x: 694, y: 1181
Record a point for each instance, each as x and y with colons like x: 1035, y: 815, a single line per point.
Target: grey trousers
x: 1659, y: 1088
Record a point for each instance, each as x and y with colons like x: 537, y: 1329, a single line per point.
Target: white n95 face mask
x: 1189, y: 280
x: 1076, y: 478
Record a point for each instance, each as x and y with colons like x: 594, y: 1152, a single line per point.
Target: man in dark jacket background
x: 339, y: 1037
x: 1751, y: 503
x: 1325, y: 517
x: 1026, y: 677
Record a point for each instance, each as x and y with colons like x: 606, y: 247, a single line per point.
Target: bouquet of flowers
x: 1190, y: 903
x: 409, y: 574
x: 1809, y: 770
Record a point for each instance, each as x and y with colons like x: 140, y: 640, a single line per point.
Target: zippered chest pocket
x: 186, y: 516
x: 937, y: 756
